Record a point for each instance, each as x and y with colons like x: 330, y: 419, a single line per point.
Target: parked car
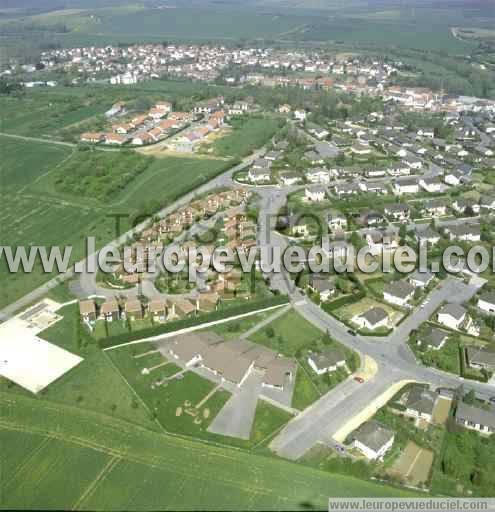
x: 359, y: 379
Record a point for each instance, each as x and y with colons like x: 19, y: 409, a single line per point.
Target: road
x: 395, y: 361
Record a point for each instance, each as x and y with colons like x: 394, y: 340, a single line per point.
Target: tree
x: 470, y: 397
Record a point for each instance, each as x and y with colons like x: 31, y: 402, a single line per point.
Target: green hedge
x: 192, y: 321
x: 344, y: 301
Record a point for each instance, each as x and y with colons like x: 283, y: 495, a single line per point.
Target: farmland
x: 57, y: 195
x: 45, y: 444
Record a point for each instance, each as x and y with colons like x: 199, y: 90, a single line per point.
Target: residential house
x: 452, y: 315
x: 92, y: 137
x: 322, y: 285
x: 279, y: 372
x: 259, y: 175
x: 435, y: 207
x: 464, y: 232
x: 398, y: 212
x: 427, y: 235
x: 373, y: 439
x: 87, y: 310
x: 336, y: 220
x: 372, y: 319
x: 421, y: 279
x: 315, y: 194
x: 327, y: 361
x: 318, y: 175
x: 398, y: 292
x: 453, y: 178
x: 481, y: 358
x: 110, y: 310
x: 114, y: 139
x: 289, y: 178
x: 133, y: 309
x: 347, y: 189
x: 298, y: 226
x: 433, y: 338
x: 406, y: 186
x: 466, y: 205
x: 420, y: 403
x: 413, y: 162
x: 475, y: 418
x: 158, y: 309
x: 486, y: 302
x: 431, y: 185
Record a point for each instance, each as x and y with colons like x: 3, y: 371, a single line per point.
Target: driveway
x: 237, y: 415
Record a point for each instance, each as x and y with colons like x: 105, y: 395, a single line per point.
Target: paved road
x: 237, y: 416
x: 395, y: 361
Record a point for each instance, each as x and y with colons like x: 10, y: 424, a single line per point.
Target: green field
x: 165, y: 400
x: 35, y: 211
x: 247, y: 135
x: 291, y: 333
x: 59, y: 457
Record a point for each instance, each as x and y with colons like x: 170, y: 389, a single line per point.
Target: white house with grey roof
x: 406, y: 186
x: 373, y: 439
x: 480, y: 358
x: 452, y: 316
x: 486, y: 302
x: 433, y: 338
x: 372, y: 319
x: 421, y: 279
x: 475, y: 418
x: 320, y: 284
x: 420, y: 403
x: 315, y: 194
x: 327, y: 361
x: 398, y: 292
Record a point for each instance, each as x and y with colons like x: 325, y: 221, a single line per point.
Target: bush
x: 184, y: 323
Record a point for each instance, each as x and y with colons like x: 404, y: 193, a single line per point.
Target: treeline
x: 458, y: 76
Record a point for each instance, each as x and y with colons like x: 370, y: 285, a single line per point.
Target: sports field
x: 62, y: 457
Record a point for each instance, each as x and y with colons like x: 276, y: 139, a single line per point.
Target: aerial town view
x: 247, y: 255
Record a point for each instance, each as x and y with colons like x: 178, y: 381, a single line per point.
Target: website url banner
x: 411, y: 504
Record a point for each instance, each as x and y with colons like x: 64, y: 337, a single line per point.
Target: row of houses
x: 159, y: 310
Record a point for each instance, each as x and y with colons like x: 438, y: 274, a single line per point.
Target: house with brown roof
x: 134, y: 309
x: 87, y: 310
x: 184, y: 307
x: 92, y: 137
x: 279, y: 373
x: 158, y: 309
x: 110, y: 310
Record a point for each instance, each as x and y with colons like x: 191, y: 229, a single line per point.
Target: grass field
x: 292, y: 333
x: 174, y: 402
x: 59, y: 457
x: 36, y: 212
x: 247, y: 135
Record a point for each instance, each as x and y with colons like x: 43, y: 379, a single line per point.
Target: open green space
x: 39, y: 211
x: 247, y: 135
x: 287, y: 334
x: 108, y: 454
x: 174, y: 400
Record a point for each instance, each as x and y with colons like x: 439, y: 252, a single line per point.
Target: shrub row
x: 192, y: 321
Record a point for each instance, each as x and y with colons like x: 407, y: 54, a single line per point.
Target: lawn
x: 24, y: 162
x: 305, y: 391
x: 174, y: 402
x: 144, y: 469
x: 247, y: 135
x: 346, y: 313
x: 288, y: 334
x: 233, y: 329
x: 43, y: 215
